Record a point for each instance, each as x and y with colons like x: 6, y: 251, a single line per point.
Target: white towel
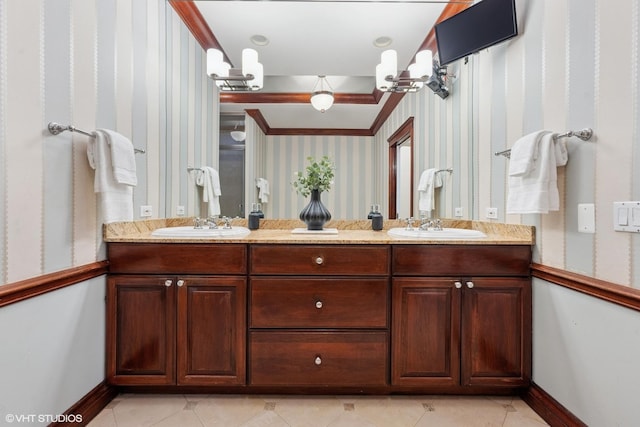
x: 209, y: 179
x: 429, y: 180
x: 524, y: 154
x: 263, y: 190
x: 115, y: 200
x: 122, y: 157
x: 537, y: 191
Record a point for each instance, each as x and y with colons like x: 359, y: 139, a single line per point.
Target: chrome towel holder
x: 57, y: 128
x: 584, y: 134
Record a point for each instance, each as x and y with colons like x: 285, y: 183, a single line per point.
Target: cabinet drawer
x: 318, y: 358
x: 320, y: 259
x: 284, y: 302
x: 177, y: 258
x: 461, y: 260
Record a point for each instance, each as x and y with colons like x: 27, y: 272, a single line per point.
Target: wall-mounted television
x: 484, y: 24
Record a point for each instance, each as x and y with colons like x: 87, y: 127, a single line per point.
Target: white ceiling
x: 310, y: 38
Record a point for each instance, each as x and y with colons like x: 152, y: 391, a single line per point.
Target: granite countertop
x: 349, y: 232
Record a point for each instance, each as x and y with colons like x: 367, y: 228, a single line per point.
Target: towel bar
x: 584, y: 134
x: 450, y: 170
x: 56, y: 128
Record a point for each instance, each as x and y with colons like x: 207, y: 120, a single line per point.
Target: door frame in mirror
x: 403, y: 133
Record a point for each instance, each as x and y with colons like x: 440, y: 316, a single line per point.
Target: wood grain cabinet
x: 319, y: 316
x: 167, y: 329
x: 463, y: 329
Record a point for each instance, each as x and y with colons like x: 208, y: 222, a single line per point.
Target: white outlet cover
x: 586, y: 218
x: 492, y: 213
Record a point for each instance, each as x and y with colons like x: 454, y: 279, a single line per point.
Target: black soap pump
x: 376, y: 218
x: 254, y: 216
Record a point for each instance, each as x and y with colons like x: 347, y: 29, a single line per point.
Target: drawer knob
x: 168, y: 283
x: 318, y: 361
x: 319, y: 260
x: 458, y: 285
x: 318, y: 304
x: 180, y: 283
x: 469, y: 285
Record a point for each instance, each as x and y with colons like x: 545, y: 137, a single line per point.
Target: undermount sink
x: 208, y: 233
x: 444, y: 234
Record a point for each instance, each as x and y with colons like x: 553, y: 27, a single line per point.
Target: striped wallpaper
x: 131, y: 66
x: 138, y: 70
x: 575, y: 65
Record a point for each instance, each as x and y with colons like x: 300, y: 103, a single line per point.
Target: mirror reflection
x: 283, y: 129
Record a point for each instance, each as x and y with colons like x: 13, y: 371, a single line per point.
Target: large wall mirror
x: 282, y: 128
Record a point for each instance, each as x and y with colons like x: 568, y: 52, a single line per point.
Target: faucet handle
x: 227, y: 222
x: 410, y: 222
x: 198, y: 222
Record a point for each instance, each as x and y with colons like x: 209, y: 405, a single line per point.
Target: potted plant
x: 317, y: 178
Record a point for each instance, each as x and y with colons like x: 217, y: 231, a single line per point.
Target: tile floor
x: 129, y: 410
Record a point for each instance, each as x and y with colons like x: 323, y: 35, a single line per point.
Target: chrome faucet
x: 199, y: 222
x: 211, y: 222
x: 434, y: 224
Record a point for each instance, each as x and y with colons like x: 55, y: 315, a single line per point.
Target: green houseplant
x: 318, y: 177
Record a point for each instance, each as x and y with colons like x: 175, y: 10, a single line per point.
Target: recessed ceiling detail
x: 311, y: 38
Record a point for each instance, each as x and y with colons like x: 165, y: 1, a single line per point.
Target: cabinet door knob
x: 319, y: 260
x: 458, y: 285
x: 180, y: 283
x: 168, y: 283
x: 318, y: 361
x: 469, y: 285
x: 318, y: 304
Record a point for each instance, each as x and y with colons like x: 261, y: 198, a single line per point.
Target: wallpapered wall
x: 93, y: 64
x: 574, y: 65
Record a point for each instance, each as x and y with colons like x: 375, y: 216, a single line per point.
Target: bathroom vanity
x: 358, y: 312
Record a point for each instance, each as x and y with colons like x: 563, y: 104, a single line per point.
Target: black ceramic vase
x: 315, y: 214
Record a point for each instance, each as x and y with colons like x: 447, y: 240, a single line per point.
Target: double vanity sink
x: 272, y: 311
x: 239, y: 231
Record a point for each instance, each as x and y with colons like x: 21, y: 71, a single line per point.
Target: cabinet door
x: 426, y: 332
x: 211, y: 337
x: 496, y: 332
x: 140, y: 330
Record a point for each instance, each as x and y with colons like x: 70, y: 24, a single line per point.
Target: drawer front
x: 320, y: 259
x: 461, y: 260
x: 177, y: 258
x: 318, y: 358
x: 284, y: 302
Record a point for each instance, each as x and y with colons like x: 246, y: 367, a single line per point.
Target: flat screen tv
x: 484, y: 24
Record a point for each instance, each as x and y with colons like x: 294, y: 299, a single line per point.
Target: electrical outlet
x: 180, y: 210
x: 146, y: 211
x: 492, y: 213
x: 458, y: 212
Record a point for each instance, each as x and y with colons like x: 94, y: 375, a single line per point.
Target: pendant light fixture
x: 238, y: 135
x: 321, y: 98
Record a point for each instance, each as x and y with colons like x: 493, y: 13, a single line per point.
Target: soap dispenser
x: 255, y: 215
x: 376, y: 218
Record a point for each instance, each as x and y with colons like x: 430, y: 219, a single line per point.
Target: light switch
x: 626, y: 216
x: 586, y: 218
x: 635, y: 217
x: 623, y: 215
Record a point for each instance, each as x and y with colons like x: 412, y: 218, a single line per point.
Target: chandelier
x: 389, y: 80
x: 249, y: 78
x: 321, y: 98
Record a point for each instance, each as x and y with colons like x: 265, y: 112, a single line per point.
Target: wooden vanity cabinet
x: 319, y: 316
x: 176, y: 326
x: 461, y: 316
